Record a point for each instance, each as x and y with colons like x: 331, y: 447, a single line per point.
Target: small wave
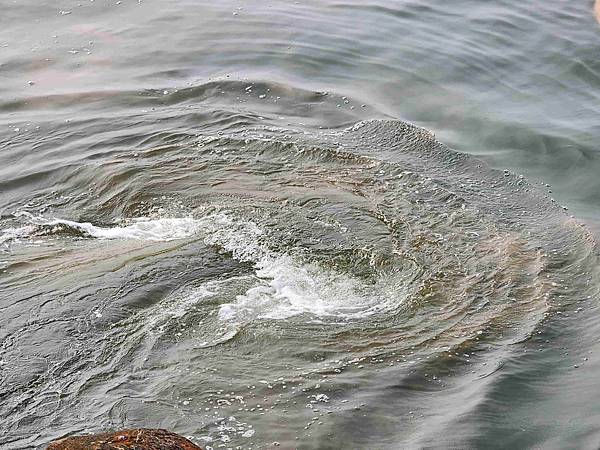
x: 282, y: 286
x: 289, y: 287
x: 163, y: 229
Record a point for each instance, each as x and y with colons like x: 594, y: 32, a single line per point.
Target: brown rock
x: 137, y: 439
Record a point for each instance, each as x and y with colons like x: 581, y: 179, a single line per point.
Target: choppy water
x: 217, y: 218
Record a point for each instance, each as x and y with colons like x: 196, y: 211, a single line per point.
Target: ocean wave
x: 161, y: 229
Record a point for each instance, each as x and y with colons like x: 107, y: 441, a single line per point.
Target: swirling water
x: 218, y: 218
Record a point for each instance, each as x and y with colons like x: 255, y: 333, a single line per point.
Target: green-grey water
x: 313, y: 224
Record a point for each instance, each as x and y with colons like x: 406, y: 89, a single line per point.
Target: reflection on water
x: 213, y: 221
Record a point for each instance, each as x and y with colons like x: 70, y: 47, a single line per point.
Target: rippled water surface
x: 314, y: 224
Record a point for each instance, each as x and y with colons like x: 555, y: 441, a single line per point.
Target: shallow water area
x: 308, y: 225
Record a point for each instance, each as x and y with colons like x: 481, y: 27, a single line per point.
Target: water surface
x: 316, y: 224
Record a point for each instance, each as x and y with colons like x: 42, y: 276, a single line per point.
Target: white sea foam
x: 163, y: 229
x: 15, y: 234
x: 143, y: 229
x: 284, y: 286
x: 287, y: 286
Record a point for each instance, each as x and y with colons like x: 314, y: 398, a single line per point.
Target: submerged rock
x: 136, y: 439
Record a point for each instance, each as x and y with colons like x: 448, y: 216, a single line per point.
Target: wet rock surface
x: 135, y: 439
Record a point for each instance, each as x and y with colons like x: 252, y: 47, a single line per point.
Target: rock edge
x: 132, y: 439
